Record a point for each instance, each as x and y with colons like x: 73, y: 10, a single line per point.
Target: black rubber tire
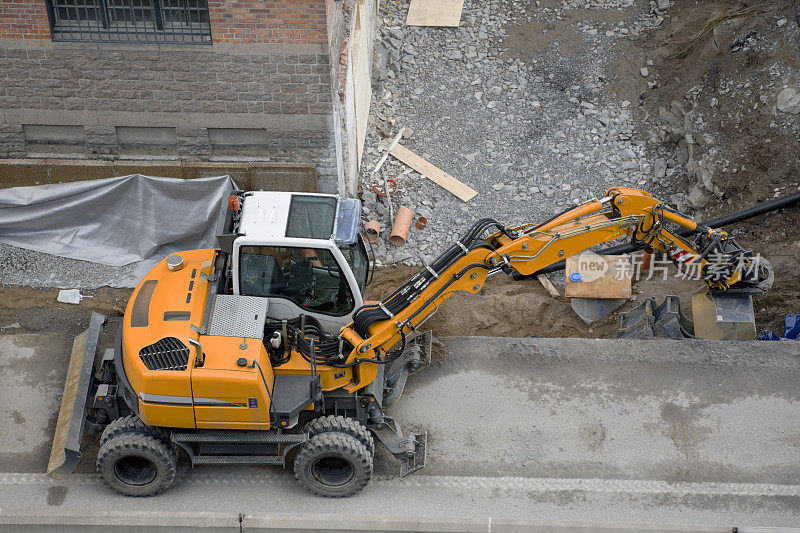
x: 340, y: 424
x: 137, y: 464
x: 131, y: 424
x: 333, y: 465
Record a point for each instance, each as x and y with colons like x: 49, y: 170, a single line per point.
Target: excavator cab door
x: 305, y: 254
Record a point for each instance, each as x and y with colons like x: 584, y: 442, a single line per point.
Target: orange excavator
x: 263, y: 349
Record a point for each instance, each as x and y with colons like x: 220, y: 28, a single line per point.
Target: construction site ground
x: 538, y: 106
x: 541, y: 105
x: 504, y: 308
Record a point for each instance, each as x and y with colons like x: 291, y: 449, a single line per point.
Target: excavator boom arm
x: 377, y: 328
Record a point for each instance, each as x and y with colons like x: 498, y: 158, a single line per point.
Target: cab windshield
x: 309, y: 277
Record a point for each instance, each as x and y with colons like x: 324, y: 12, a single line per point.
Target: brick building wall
x: 23, y: 20
x: 291, y: 21
x: 261, y: 91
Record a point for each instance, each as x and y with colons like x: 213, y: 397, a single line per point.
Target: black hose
x: 719, y: 222
x: 754, y: 211
x: 408, y: 292
x: 269, y: 393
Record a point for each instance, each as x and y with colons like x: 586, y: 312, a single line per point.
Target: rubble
x: 540, y: 107
x: 531, y: 131
x: 789, y: 101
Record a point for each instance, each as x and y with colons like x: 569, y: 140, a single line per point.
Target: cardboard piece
x: 435, y: 13
x: 600, y: 276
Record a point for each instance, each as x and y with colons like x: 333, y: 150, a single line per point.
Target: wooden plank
x: 362, y: 80
x: 433, y: 173
x: 380, y: 163
x: 388, y: 149
x: 548, y: 285
x: 435, y: 13
x: 603, y: 276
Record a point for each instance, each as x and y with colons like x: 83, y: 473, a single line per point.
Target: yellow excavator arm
x: 723, y: 265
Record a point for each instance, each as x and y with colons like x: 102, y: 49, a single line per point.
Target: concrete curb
x: 63, y: 521
x: 18, y: 520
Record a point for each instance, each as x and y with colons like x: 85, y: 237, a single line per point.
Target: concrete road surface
x: 679, y: 432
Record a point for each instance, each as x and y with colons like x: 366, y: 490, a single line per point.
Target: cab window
x: 356, y: 256
x: 311, y: 217
x: 309, y: 277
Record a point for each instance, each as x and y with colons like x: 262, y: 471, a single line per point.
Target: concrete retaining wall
x: 250, y: 176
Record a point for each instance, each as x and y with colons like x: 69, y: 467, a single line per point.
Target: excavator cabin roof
x: 271, y: 215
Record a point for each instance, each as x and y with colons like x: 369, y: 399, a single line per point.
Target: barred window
x: 150, y: 21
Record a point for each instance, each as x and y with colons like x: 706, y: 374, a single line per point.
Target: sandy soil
x: 508, y: 308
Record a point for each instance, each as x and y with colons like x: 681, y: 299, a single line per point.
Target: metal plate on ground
x: 593, y: 309
x: 238, y: 316
x: 722, y: 317
x: 733, y: 308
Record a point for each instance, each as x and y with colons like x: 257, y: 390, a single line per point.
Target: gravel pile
x: 495, y: 104
x: 19, y: 266
x: 695, y: 132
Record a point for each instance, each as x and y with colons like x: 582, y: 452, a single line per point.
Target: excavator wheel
x: 334, y: 465
x: 340, y: 424
x: 131, y: 424
x: 137, y: 464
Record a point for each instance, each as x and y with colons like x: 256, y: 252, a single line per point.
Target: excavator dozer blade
x: 66, y: 451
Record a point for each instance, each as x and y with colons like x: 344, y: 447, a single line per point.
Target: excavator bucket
x: 75, y: 402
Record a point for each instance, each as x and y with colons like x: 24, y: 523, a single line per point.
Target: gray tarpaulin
x: 115, y: 221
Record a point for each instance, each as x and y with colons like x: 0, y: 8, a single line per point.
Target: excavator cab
x: 303, y: 252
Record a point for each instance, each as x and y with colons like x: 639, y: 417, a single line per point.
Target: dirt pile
x: 504, y: 308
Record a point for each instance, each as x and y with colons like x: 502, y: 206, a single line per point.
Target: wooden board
x: 604, y: 276
x: 548, y: 285
x: 435, y: 13
x: 433, y: 173
x: 362, y: 80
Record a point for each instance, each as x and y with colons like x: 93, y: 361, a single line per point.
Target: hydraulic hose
x: 719, y: 222
x: 407, y: 293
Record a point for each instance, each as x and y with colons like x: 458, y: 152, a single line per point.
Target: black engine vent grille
x: 167, y: 354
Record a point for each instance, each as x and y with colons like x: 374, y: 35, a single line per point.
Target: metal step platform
x: 238, y: 460
x: 238, y: 447
x: 243, y: 437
